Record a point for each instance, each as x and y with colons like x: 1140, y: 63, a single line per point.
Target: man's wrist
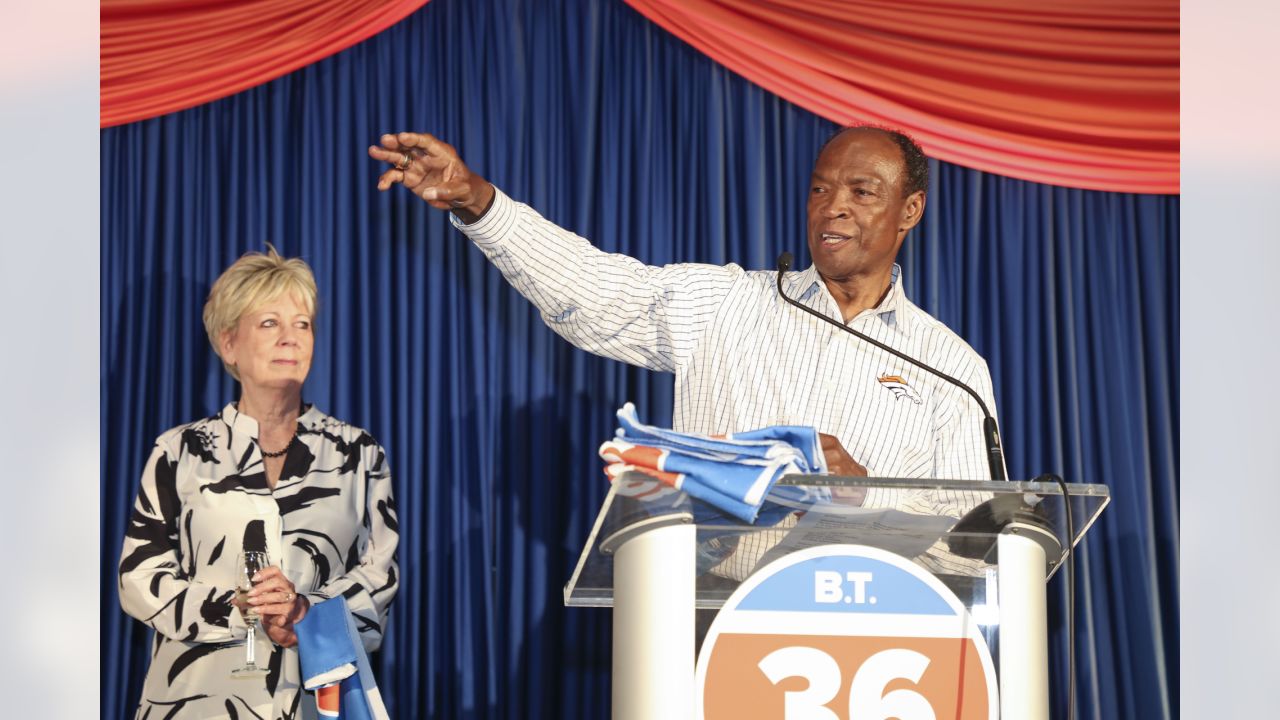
x: 471, y: 213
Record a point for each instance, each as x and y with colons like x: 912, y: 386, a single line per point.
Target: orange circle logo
x: 845, y: 632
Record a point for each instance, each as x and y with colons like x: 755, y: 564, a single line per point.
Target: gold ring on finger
x: 405, y: 161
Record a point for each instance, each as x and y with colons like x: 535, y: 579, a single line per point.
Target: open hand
x: 432, y: 170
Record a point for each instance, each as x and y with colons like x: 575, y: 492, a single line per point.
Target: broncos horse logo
x: 900, y: 389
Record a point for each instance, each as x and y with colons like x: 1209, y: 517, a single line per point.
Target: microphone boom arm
x: 990, y: 432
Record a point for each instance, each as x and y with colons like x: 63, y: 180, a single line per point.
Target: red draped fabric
x: 1082, y: 93
x: 159, y: 56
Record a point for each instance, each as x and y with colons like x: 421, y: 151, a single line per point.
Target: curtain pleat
x: 612, y: 127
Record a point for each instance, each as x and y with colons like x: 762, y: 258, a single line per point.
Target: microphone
x: 255, y: 536
x: 990, y: 433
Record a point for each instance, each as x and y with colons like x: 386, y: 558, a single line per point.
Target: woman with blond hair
x: 268, y: 472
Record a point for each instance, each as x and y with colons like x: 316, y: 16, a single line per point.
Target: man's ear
x: 912, y: 211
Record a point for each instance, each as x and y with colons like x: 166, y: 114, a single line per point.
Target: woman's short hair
x: 254, y: 279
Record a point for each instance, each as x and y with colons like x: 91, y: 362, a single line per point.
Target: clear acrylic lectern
x: 654, y: 555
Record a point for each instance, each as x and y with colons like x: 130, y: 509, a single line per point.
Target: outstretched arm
x: 606, y: 303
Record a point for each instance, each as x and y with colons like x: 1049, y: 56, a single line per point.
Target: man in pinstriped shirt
x: 742, y: 358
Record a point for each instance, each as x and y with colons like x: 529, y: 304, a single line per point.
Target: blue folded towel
x: 732, y: 473
x: 330, y: 653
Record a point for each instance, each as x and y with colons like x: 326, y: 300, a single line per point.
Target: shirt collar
x: 807, y: 285
x: 239, y: 423
x: 246, y: 426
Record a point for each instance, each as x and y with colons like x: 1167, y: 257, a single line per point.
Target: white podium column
x: 1024, y: 627
x: 653, y: 624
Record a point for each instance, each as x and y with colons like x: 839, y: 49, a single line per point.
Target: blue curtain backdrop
x: 612, y: 128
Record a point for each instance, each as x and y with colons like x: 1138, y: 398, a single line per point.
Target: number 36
x: 867, y: 699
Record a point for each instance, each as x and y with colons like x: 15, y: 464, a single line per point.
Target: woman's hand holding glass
x: 278, y: 604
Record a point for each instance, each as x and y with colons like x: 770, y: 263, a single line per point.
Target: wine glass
x: 249, y: 563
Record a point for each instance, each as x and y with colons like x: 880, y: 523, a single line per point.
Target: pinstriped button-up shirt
x: 743, y: 358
